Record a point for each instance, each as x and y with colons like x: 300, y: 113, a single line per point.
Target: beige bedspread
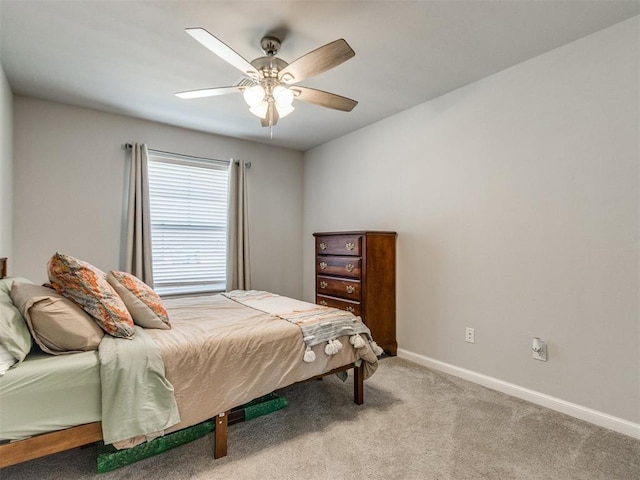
x: 236, y: 354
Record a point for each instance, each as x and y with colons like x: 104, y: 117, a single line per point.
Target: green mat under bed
x: 109, y: 458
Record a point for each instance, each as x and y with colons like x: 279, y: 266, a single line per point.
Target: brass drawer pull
x: 323, y: 265
x: 323, y: 284
x: 350, y: 246
x: 323, y: 246
x: 349, y: 267
x: 350, y: 289
x: 350, y: 309
x: 323, y: 303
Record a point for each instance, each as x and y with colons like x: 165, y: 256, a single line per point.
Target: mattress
x: 46, y: 393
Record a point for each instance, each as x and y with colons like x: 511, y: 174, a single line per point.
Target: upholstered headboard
x: 3, y: 267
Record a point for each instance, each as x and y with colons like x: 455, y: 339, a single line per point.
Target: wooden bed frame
x: 48, y: 443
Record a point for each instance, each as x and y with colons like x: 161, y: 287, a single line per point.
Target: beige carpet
x: 415, y: 424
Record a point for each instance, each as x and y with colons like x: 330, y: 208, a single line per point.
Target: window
x: 188, y: 204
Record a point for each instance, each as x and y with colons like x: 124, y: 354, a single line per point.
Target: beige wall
x: 6, y: 168
x: 516, y: 203
x: 70, y: 187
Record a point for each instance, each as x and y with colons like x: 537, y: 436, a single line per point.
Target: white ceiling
x: 130, y: 57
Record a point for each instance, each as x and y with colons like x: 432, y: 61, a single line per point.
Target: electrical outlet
x: 470, y: 335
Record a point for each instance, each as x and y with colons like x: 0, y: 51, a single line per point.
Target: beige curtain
x: 138, y: 254
x: 238, y: 268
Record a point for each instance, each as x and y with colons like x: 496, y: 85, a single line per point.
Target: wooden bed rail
x: 48, y: 443
x: 45, y: 444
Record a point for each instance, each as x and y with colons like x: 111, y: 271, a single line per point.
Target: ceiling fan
x: 271, y: 84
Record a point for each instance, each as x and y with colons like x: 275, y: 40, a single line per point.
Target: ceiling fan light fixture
x: 284, y: 111
x: 260, y: 110
x: 283, y: 97
x: 254, y: 96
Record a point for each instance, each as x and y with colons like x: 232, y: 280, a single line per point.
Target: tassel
x: 357, y: 341
x: 332, y: 347
x: 309, y: 355
x: 376, y: 349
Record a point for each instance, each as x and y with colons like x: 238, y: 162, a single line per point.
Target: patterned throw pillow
x: 145, y: 306
x: 87, y: 286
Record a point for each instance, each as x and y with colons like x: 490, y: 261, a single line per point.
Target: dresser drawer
x: 339, y: 266
x: 339, y: 245
x: 348, y: 305
x: 338, y: 287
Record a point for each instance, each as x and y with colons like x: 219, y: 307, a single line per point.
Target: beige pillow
x: 57, y: 324
x: 144, y: 305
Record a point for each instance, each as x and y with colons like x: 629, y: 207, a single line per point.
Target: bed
x: 221, y: 351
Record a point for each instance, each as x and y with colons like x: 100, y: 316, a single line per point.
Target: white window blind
x: 188, y: 204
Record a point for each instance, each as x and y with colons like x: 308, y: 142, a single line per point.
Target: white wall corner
x: 6, y: 169
x: 590, y: 415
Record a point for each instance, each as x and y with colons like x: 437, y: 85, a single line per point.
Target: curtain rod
x: 129, y: 146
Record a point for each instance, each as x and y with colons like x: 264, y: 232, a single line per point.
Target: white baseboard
x: 578, y: 411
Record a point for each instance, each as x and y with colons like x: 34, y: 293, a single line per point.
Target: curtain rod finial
x: 237, y: 162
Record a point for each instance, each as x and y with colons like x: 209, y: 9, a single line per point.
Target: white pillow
x: 6, y: 360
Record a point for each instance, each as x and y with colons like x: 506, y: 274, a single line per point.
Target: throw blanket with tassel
x: 318, y: 324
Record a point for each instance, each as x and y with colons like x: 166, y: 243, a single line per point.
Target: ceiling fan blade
x: 324, y: 99
x: 208, y: 92
x: 222, y: 50
x: 317, y: 61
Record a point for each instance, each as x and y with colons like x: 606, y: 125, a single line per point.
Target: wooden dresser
x: 356, y: 271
